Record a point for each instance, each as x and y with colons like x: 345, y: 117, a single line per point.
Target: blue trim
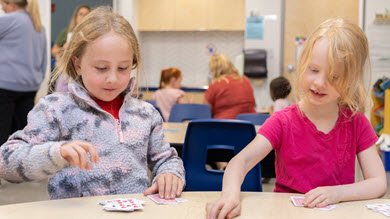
x: 185, y: 89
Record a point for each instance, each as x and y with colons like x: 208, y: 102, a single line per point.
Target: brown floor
x: 37, y: 191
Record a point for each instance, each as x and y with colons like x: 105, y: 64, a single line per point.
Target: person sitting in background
x: 169, y: 92
x: 229, y: 93
x: 280, y: 88
x: 79, y: 13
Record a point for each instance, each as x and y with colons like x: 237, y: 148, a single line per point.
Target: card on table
x: 156, y: 198
x: 298, y: 202
x: 122, y: 204
x: 380, y: 208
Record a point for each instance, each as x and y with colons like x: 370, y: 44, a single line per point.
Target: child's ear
x: 76, y: 63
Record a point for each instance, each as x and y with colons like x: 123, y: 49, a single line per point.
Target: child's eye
x: 314, y: 70
x: 100, y: 69
x: 123, y: 68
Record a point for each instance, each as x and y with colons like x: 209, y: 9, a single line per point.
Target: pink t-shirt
x: 306, y: 158
x: 166, y: 98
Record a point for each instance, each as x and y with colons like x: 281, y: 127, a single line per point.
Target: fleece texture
x: 126, y: 149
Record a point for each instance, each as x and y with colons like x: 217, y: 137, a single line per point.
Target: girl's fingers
x: 161, y: 186
x: 91, y: 149
x: 179, y: 188
x: 82, y: 156
x: 168, y: 185
x: 174, y: 187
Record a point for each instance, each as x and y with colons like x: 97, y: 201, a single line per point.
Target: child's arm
x: 34, y: 152
x: 229, y: 202
x: 373, y: 185
x: 167, y: 168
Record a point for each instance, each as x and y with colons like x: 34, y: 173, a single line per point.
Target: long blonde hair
x: 220, y: 67
x: 32, y: 9
x: 97, y: 23
x: 72, y: 23
x: 348, y: 45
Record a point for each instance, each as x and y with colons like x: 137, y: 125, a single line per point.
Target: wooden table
x: 254, y: 205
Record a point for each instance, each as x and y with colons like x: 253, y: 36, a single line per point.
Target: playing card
x: 122, y: 204
x: 381, y: 208
x: 328, y: 208
x: 161, y: 201
x: 297, y: 200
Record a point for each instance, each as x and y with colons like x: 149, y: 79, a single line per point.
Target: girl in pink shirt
x: 169, y: 92
x: 317, y: 139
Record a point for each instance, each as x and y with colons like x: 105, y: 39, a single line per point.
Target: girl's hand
x: 75, y: 152
x: 167, y: 185
x: 229, y: 207
x: 322, y: 196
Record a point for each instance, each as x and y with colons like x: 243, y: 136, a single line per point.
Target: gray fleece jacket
x: 126, y: 149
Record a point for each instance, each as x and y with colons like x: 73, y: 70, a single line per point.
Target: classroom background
x: 171, y: 34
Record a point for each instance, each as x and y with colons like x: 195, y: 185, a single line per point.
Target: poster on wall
x: 254, y: 28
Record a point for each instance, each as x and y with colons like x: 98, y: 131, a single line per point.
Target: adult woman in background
x: 229, y: 93
x: 79, y: 13
x: 22, y: 62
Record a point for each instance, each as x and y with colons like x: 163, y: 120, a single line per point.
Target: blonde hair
x: 32, y: 9
x: 220, y: 67
x: 72, y: 23
x: 97, y: 23
x: 167, y: 74
x: 348, y: 45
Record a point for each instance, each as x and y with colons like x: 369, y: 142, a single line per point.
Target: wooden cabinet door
x: 191, y: 14
x: 226, y: 15
x: 303, y: 16
x: 156, y: 14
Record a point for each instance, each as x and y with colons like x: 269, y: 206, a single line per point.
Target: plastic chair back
x: 203, y: 135
x: 255, y: 118
x: 188, y: 111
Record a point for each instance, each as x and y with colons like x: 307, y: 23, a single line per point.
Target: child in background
x: 96, y: 139
x: 169, y: 92
x: 316, y: 140
x: 280, y: 88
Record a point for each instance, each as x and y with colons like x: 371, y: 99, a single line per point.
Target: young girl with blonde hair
x: 317, y: 139
x: 96, y: 139
x: 229, y: 93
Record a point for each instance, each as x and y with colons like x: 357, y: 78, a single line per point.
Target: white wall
x: 272, y: 42
x: 45, y: 10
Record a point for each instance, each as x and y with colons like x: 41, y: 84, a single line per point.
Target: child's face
x: 81, y: 14
x: 176, y: 82
x: 317, y: 88
x: 105, y: 66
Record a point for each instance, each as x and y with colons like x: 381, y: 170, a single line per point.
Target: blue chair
x: 268, y: 162
x: 255, y: 118
x: 153, y: 102
x: 215, y: 134
x: 188, y: 111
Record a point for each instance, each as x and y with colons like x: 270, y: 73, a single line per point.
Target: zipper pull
x: 120, y: 131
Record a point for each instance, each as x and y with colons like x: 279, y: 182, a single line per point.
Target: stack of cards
x: 161, y: 201
x: 381, y: 208
x: 298, y: 202
x: 122, y: 204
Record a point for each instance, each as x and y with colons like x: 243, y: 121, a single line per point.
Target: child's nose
x: 111, y: 77
x: 321, y: 80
